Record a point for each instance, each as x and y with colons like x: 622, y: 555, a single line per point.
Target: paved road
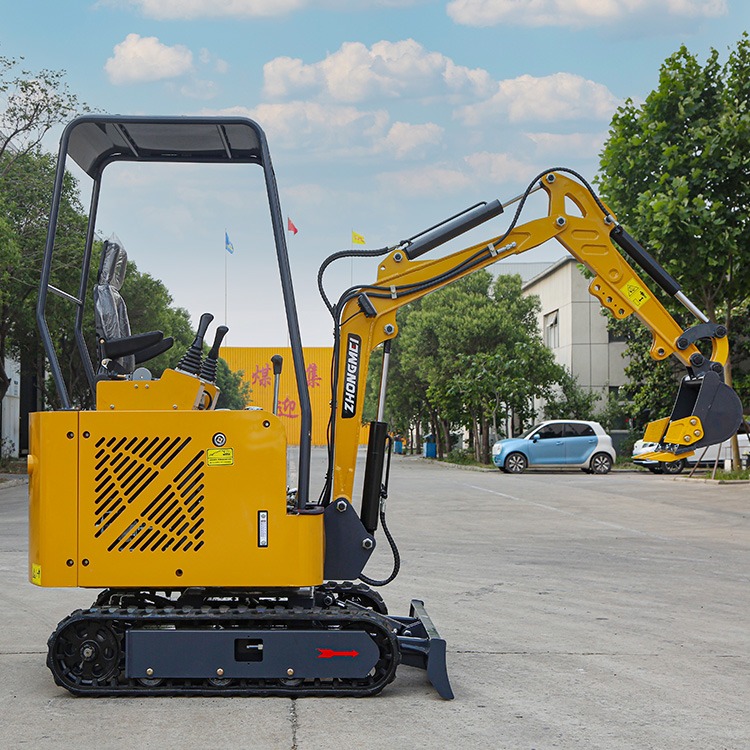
x: 580, y: 612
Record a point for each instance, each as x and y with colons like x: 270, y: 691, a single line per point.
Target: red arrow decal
x: 327, y: 653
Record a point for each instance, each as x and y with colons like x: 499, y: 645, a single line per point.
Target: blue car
x: 557, y: 443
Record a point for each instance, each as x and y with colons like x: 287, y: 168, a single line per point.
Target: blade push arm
x: 587, y: 232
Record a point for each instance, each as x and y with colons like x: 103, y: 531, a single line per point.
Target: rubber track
x: 237, y: 616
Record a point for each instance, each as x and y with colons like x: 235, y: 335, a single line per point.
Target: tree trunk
x: 446, y: 436
x: 485, y: 440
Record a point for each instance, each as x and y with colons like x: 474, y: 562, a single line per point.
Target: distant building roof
x: 546, y: 271
x: 526, y: 271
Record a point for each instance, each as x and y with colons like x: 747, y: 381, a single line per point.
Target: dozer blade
x: 706, y: 412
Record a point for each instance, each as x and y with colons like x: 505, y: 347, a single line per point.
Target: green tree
x: 677, y: 171
x: 570, y: 400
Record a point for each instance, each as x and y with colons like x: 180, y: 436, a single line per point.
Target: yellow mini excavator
x: 215, y: 579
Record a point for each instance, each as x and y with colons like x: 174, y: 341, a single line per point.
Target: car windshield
x: 531, y: 431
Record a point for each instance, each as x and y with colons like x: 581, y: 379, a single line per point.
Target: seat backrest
x: 110, y: 311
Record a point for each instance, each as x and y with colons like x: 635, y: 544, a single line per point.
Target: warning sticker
x: 220, y: 457
x: 635, y: 293
x: 36, y: 574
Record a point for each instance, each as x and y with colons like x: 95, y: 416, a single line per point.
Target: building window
x: 552, y: 330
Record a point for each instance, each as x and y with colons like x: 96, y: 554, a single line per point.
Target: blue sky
x: 383, y: 117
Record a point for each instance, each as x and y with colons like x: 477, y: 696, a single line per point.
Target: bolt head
x: 149, y: 671
x: 398, y: 257
x: 560, y: 221
x: 290, y: 671
x: 550, y: 178
x: 368, y: 543
x: 697, y: 433
x: 389, y: 328
x: 341, y: 505
x: 687, y: 438
x: 220, y: 671
x: 693, y: 422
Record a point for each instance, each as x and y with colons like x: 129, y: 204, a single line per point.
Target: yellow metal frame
x: 586, y: 237
x: 165, y: 499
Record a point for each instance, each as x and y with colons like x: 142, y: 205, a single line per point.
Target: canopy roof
x: 93, y: 141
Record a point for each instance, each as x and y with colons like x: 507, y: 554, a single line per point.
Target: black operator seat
x: 117, y: 347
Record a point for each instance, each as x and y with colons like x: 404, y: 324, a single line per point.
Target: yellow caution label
x: 635, y: 293
x: 36, y: 574
x: 220, y: 457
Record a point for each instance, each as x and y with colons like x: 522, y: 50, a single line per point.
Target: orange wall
x: 255, y: 363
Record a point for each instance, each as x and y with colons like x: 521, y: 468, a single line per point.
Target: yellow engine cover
x: 166, y: 500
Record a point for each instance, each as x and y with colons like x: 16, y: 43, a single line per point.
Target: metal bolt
x: 87, y: 435
x: 697, y: 433
x: 368, y: 543
x: 290, y: 671
x: 174, y: 406
x: 111, y: 406
x: 660, y: 352
x: 266, y: 423
x: 398, y: 257
x: 560, y: 221
x: 341, y: 505
x: 550, y: 178
x: 136, y: 386
x: 85, y: 563
x: 220, y: 671
x: 70, y: 563
x: 389, y: 328
x: 682, y: 343
x: 149, y: 671
x: 70, y: 436
x: 720, y: 332
x: 694, y: 422
x: 146, y: 386
x: 687, y: 438
x: 608, y: 219
x: 696, y: 359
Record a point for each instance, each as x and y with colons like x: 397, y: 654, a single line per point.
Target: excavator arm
x: 706, y: 410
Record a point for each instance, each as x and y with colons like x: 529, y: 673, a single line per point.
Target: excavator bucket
x: 706, y: 412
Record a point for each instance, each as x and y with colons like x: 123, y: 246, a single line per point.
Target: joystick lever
x: 192, y: 358
x: 278, y: 362
x: 209, y: 366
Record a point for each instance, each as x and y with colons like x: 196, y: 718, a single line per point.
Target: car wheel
x: 515, y: 463
x: 601, y: 463
x: 673, y: 467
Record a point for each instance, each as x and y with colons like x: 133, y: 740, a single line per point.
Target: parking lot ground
x: 580, y: 612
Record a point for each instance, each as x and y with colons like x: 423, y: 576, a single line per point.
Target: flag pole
x: 226, y: 252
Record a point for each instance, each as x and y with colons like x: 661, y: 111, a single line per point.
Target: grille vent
x: 148, y: 494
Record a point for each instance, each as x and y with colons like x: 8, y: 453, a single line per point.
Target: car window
x: 578, y: 429
x: 551, y: 431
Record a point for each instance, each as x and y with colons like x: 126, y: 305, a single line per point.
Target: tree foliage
x: 469, y: 354
x: 676, y: 169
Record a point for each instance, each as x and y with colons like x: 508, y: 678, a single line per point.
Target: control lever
x: 210, y: 363
x: 277, y: 360
x: 192, y: 358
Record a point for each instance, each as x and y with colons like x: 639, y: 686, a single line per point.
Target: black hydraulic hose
x: 396, y: 557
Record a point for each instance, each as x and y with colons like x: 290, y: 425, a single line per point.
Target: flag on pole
x: 291, y: 226
x: 229, y: 246
x: 357, y: 239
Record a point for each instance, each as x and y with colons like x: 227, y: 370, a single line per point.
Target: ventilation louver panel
x: 148, y: 494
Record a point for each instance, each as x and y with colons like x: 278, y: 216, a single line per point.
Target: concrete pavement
x: 580, y: 612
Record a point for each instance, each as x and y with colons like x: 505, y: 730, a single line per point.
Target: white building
x: 11, y: 409
x: 574, y: 328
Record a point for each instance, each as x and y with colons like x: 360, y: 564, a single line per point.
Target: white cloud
x: 561, y: 96
x: 406, y: 139
x: 425, y: 181
x: 338, y: 129
x: 139, y: 59
x: 574, y: 12
x: 186, y: 9
x: 499, y: 168
x: 355, y: 73
x: 571, y: 145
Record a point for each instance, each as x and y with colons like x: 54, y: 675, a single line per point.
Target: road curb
x: 13, y: 482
